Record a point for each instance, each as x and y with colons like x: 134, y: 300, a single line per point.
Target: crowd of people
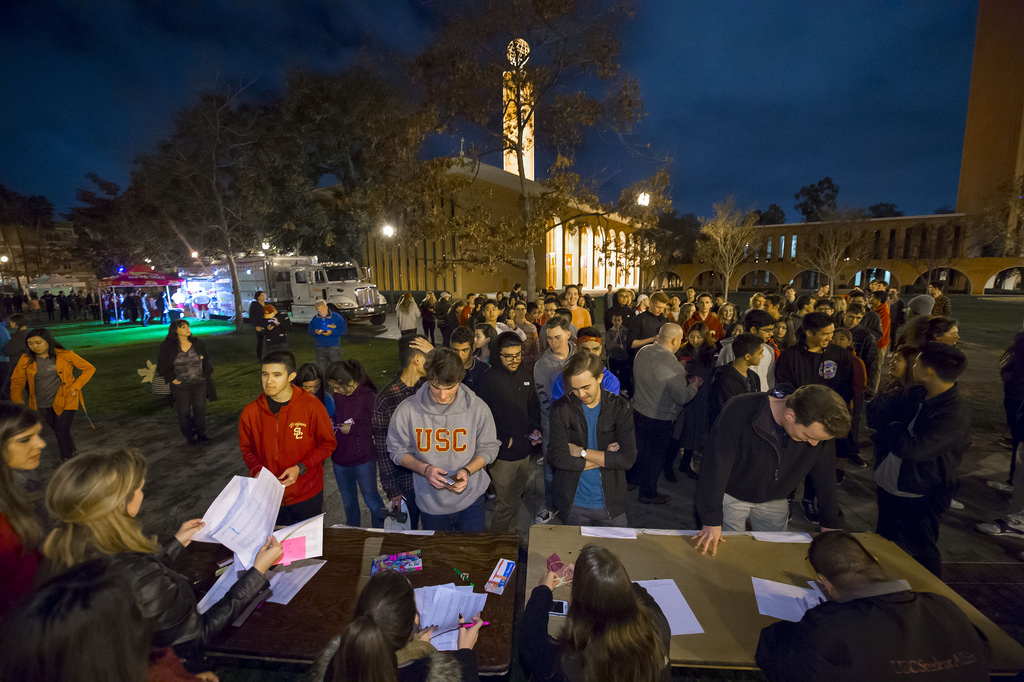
x: 755, y: 405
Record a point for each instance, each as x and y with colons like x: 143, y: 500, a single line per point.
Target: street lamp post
x: 389, y: 233
x: 3, y: 273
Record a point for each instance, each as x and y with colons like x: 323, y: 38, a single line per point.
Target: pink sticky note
x: 294, y: 550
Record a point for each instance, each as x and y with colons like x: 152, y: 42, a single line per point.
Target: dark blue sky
x: 753, y: 99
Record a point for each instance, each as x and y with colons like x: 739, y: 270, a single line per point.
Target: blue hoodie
x: 334, y: 323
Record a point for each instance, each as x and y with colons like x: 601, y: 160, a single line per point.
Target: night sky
x: 750, y: 98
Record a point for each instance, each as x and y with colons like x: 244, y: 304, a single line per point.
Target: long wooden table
x: 719, y: 590
x: 298, y: 632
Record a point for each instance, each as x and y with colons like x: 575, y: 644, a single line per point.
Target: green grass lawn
x: 117, y: 390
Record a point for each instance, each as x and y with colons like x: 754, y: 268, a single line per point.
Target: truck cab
x: 345, y: 286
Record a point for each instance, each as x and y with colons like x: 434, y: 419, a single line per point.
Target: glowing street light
x: 195, y: 254
x: 3, y: 259
x: 266, y: 246
x: 388, y: 231
x: 643, y: 199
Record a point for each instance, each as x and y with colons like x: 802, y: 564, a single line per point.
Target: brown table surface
x: 298, y: 632
x: 719, y: 591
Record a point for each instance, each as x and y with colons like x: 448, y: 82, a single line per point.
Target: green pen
x: 464, y: 576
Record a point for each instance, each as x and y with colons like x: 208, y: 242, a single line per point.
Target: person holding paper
x: 288, y: 432
x: 872, y: 627
x: 384, y: 641
x: 591, y: 446
x: 614, y: 629
x: 759, y: 449
x: 446, y: 435
x: 94, y: 500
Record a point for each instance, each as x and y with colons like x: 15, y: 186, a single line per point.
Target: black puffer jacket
x: 169, y: 605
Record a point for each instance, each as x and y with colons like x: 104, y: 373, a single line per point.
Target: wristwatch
x: 302, y: 469
x: 583, y: 454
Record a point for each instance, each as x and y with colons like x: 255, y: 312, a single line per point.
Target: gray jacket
x: 659, y: 383
x: 447, y: 436
x: 547, y: 369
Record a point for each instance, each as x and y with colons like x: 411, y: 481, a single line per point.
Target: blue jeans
x: 469, y: 520
x: 365, y: 475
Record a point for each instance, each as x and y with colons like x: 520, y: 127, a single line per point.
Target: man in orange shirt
x: 580, y: 315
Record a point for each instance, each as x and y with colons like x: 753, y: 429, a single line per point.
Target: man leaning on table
x: 759, y: 449
x: 872, y: 628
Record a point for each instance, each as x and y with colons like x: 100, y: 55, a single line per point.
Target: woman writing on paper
x: 94, y: 500
x: 383, y: 643
x: 614, y: 629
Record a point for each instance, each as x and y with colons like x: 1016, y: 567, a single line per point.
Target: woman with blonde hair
x: 21, y: 528
x: 93, y: 500
x: 727, y: 316
x: 614, y: 629
x: 408, y: 312
x: 48, y: 371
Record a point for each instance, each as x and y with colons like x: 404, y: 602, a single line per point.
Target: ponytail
x: 365, y: 654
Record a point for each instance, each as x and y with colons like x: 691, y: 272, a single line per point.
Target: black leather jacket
x: 169, y: 605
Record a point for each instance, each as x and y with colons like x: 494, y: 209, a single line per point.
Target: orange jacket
x: 300, y: 432
x: 69, y: 395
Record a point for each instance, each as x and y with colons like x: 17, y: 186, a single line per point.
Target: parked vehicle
x: 292, y: 284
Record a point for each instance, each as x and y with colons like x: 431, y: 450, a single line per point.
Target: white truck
x: 293, y: 284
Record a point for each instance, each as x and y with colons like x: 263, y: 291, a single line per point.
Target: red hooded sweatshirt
x: 300, y: 432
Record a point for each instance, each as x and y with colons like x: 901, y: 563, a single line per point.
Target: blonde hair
x: 88, y: 498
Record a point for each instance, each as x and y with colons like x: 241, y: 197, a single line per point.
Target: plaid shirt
x: 394, y: 478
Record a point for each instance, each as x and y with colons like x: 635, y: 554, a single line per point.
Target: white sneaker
x: 1000, y: 486
x: 956, y: 504
x: 545, y: 516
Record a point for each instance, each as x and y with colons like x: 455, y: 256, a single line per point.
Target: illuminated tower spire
x: 518, y: 103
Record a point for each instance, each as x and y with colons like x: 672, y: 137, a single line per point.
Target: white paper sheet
x: 220, y: 588
x: 312, y: 530
x: 665, y: 531
x: 680, y: 616
x: 780, y: 537
x: 441, y: 605
x: 403, y: 532
x: 782, y: 601
x: 243, y: 515
x: 286, y: 581
x: 608, y: 532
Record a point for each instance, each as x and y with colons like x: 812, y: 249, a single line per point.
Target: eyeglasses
x: 512, y: 356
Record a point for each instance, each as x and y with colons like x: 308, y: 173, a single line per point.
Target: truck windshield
x: 342, y: 274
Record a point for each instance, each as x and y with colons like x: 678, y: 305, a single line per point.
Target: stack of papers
x: 441, y: 605
x: 285, y: 582
x: 785, y: 602
x: 243, y: 515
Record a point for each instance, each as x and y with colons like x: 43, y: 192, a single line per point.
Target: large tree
x: 204, y: 183
x: 838, y: 247
x: 359, y: 132
x: 816, y: 200
x: 726, y: 239
x: 569, y: 81
x: 24, y: 222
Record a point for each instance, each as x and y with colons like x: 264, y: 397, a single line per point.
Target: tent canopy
x: 141, y: 276
x: 55, y: 282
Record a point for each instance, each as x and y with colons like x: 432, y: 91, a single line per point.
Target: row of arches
x: 1008, y: 280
